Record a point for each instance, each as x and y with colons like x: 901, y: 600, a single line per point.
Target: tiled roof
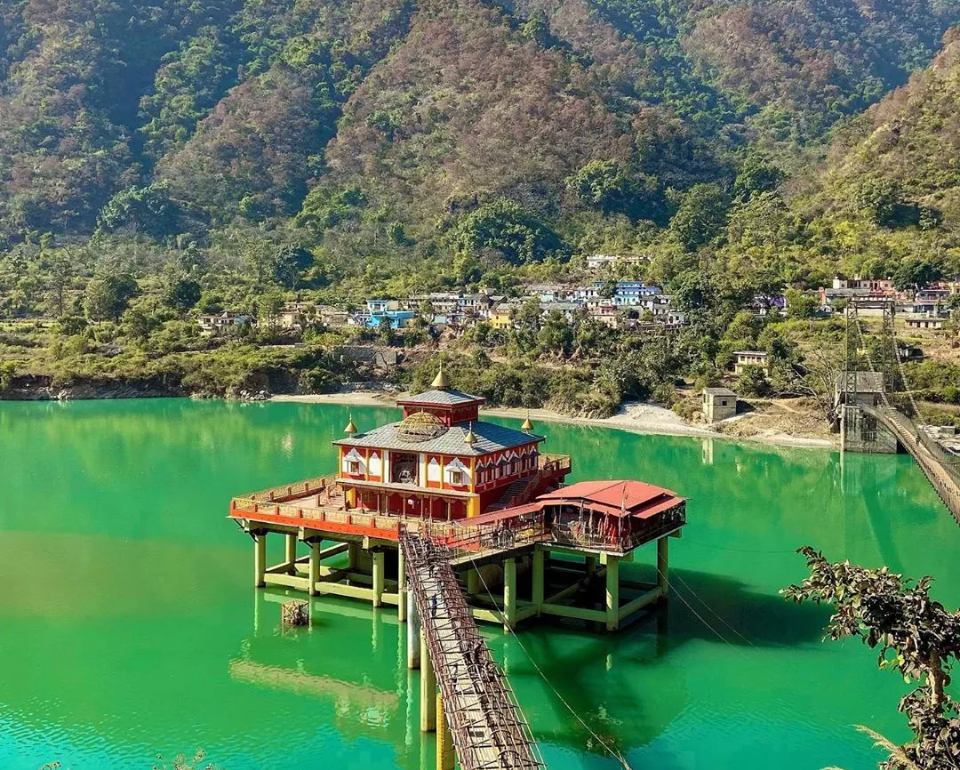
x: 448, y: 397
x: 489, y: 438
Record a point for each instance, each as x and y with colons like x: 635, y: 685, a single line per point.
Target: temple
x: 441, y: 462
x: 488, y: 495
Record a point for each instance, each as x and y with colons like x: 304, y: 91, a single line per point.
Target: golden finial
x: 440, y: 382
x: 527, y: 425
x: 470, y: 438
x: 351, y: 428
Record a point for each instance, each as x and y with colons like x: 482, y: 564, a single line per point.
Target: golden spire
x: 470, y: 438
x: 440, y: 382
x: 527, y: 425
x: 351, y: 428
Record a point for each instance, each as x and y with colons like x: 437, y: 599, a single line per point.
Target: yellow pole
x: 538, y: 578
x: 259, y: 559
x: 613, y: 593
x: 428, y: 689
x: 509, y: 594
x: 378, y: 578
x: 314, y: 570
x: 401, y: 587
x: 663, y: 566
x: 446, y: 755
x: 290, y: 554
x: 413, y: 632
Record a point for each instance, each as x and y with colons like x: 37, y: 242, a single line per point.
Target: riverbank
x: 758, y: 426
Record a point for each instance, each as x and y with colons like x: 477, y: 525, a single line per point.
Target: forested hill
x: 413, y: 128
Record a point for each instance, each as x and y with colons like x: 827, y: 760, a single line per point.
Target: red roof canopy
x: 620, y: 498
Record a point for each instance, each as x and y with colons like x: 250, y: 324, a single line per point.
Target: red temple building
x: 485, y: 491
x: 442, y: 462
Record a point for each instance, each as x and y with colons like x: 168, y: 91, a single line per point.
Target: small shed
x: 719, y: 404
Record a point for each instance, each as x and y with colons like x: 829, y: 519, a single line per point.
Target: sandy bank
x: 634, y: 417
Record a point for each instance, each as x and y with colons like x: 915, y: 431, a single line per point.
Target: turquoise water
x: 129, y: 626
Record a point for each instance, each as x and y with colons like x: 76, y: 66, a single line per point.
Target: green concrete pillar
x: 259, y: 559
x: 378, y: 577
x: 613, y: 593
x: 473, y: 582
x: 509, y: 594
x: 428, y: 689
x: 401, y: 587
x: 538, y: 570
x: 290, y: 553
x: 353, y: 556
x: 446, y: 754
x: 313, y: 573
x: 413, y: 631
x: 663, y: 566
x: 590, y: 565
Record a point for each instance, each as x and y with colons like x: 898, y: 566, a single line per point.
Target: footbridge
x: 876, y: 406
x: 475, y: 714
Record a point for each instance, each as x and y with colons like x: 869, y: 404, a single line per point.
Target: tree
x: 756, y: 176
x: 107, y: 298
x: 605, y: 185
x: 916, y: 273
x: 508, y: 228
x: 801, y: 305
x: 878, y: 199
x: 701, y: 216
x: 182, y: 294
x: 914, y: 634
x: 148, y: 210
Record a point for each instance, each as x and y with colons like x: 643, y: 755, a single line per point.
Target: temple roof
x: 630, y: 498
x: 445, y: 397
x: 489, y: 436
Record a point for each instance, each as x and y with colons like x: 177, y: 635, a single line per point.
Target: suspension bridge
x: 475, y: 714
x: 876, y: 405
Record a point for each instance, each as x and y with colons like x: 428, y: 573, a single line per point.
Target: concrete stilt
x: 401, y: 587
x: 290, y: 553
x: 537, y: 566
x: 613, y: 593
x: 473, y: 582
x: 378, y: 578
x: 663, y: 566
x: 428, y: 689
x: 509, y: 594
x: 259, y: 559
x: 413, y: 632
x: 353, y: 556
x: 590, y: 565
x: 314, y: 568
x: 446, y: 754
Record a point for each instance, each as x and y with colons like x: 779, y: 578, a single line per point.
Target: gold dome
x: 527, y: 425
x: 351, y: 428
x: 470, y: 438
x: 420, y: 426
x: 440, y: 381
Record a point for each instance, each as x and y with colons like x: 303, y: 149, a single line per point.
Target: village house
x: 718, y: 404
x: 931, y: 322
x: 216, y: 324
x: 501, y: 317
x: 599, y: 261
x: 746, y: 358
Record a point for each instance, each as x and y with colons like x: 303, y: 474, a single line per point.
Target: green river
x: 129, y: 626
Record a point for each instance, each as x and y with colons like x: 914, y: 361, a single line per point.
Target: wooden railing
x: 287, y: 492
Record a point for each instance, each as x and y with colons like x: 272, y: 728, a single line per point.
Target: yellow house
x: 501, y: 317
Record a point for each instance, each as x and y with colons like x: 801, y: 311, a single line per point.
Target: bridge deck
x: 945, y: 479
x: 488, y: 729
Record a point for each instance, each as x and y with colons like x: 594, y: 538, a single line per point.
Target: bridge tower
x: 861, y: 390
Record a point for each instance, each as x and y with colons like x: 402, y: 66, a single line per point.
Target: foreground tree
x: 914, y: 634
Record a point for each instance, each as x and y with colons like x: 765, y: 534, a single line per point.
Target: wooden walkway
x: 942, y: 472
x: 488, y: 728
